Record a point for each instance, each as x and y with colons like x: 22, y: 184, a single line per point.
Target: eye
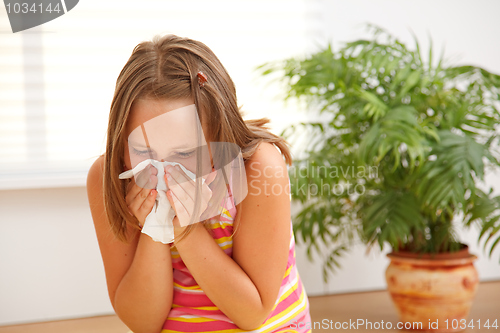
x: 142, y: 152
x: 185, y: 154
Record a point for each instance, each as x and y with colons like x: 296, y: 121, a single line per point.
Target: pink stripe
x: 289, y: 300
x: 220, y: 233
x: 192, y: 300
x: 290, y: 277
x: 212, y: 326
x: 291, y: 262
x: 184, y: 279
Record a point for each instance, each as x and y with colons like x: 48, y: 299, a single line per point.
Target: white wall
x: 50, y: 266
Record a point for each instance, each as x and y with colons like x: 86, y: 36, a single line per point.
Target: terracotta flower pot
x: 436, y: 291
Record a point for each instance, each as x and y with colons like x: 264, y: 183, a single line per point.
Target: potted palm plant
x: 395, y: 154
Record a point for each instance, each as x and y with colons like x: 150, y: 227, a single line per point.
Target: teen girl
x: 232, y: 273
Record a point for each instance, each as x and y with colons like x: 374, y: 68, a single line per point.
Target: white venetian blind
x: 57, y: 80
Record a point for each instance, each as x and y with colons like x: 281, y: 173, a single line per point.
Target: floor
x: 325, y: 311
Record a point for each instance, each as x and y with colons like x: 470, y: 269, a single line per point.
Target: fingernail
x: 152, y: 193
x: 169, y: 177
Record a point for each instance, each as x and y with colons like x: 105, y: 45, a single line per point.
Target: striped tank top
x: 192, y: 310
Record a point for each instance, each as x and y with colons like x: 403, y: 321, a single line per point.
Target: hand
x: 141, y: 199
x: 181, y: 194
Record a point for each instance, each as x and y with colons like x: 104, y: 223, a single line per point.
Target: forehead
x: 144, y: 110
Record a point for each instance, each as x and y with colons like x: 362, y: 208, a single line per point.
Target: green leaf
x: 429, y: 131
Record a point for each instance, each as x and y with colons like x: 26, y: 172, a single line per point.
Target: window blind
x: 57, y: 80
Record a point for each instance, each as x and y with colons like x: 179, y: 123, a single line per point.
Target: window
x: 57, y: 80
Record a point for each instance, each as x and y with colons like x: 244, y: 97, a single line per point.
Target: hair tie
x: 202, y: 78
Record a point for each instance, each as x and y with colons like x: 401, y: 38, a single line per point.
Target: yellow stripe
x: 221, y: 224
x: 289, y: 291
x: 285, y: 312
x: 196, y: 287
x: 288, y: 271
x: 208, y: 308
x: 225, y: 211
x: 220, y: 331
x: 223, y: 239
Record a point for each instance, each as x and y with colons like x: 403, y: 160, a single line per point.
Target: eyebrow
x: 184, y: 146
x: 138, y: 145
x: 141, y: 145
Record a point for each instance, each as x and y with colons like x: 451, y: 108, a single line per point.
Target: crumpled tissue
x: 158, y: 224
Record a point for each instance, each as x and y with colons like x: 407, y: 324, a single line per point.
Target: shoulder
x: 268, y: 185
x: 95, y: 176
x: 266, y: 162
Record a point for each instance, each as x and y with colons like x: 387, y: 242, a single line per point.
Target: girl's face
x: 166, y: 130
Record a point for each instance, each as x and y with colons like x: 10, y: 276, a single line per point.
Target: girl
x: 232, y: 273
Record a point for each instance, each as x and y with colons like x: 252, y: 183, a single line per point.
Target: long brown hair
x: 166, y: 68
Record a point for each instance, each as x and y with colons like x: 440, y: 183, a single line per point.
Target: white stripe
x: 64, y: 6
x: 225, y: 243
x: 191, y: 291
x: 188, y: 316
x: 289, y: 285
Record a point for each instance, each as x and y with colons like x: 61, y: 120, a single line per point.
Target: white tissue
x: 158, y: 224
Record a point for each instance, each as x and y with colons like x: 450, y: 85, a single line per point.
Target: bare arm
x: 246, y: 286
x: 139, y: 273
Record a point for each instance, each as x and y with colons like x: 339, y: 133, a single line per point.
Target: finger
x: 211, y: 177
x: 170, y: 200
x: 136, y: 190
x: 132, y: 192
x: 181, y: 194
x: 147, y: 206
x: 181, y: 212
x: 182, y: 179
x: 139, y: 199
x: 147, y: 177
x: 189, y: 204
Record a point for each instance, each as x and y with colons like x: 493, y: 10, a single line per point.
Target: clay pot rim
x: 461, y: 257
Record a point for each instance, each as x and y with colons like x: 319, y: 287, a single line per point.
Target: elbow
x: 251, y: 323
x: 139, y: 321
x: 139, y: 325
